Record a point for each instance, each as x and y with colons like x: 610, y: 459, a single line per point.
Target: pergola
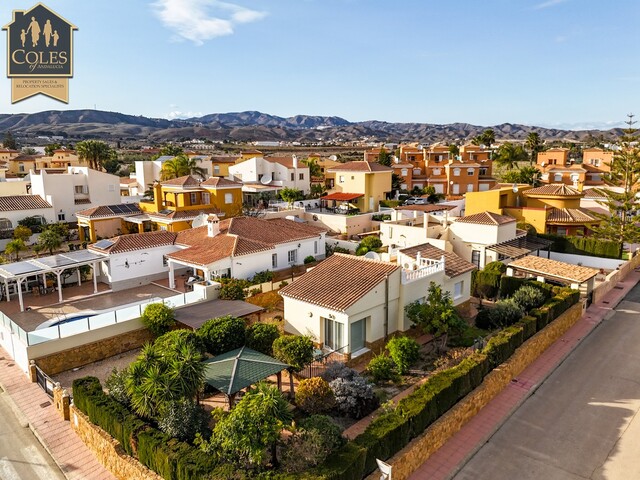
x: 18, y: 272
x: 521, y: 247
x: 241, y: 368
x: 343, y: 198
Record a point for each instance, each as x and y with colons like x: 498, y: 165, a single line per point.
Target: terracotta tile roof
x: 453, y: 264
x: 111, y: 211
x: 202, y: 249
x: 554, y: 190
x: 339, y: 282
x: 26, y: 158
x: 360, y: 166
x: 137, y: 241
x: 342, y: 196
x: 487, y: 218
x: 570, y: 215
x: 220, y: 182
x: 426, y: 208
x: 22, y: 202
x: 594, y: 193
x: 224, y: 158
x: 285, y: 161
x: 127, y: 181
x: 553, y: 268
x: 186, y: 181
x: 402, y: 165
x: 81, y: 201
x: 8, y: 150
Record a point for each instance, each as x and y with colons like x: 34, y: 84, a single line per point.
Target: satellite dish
x: 372, y: 256
x: 267, y: 179
x: 515, y: 188
x: 199, y: 221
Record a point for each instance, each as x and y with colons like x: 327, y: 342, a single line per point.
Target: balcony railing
x: 428, y: 267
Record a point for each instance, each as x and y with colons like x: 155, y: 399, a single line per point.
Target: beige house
x: 365, y: 183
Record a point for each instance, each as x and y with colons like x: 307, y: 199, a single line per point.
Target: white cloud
x: 548, y: 4
x: 177, y: 114
x: 202, y: 20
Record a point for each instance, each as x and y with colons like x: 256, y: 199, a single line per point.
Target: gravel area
x: 101, y: 369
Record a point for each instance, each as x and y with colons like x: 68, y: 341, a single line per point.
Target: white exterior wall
x: 59, y: 190
x: 146, y: 173
x: 298, y: 322
x: 17, y: 215
x: 144, y: 266
x: 251, y: 170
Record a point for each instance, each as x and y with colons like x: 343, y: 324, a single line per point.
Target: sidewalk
x: 36, y: 409
x: 459, y: 449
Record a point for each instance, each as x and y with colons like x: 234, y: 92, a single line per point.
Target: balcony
x: 428, y: 267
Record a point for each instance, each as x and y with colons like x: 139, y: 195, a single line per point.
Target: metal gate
x: 44, y: 381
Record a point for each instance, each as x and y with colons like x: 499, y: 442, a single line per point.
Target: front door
x: 358, y: 335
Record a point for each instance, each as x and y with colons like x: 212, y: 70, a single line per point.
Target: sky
x: 555, y: 63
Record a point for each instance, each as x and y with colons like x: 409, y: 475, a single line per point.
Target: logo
x: 39, y: 54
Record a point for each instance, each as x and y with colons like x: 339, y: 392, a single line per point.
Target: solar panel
x: 84, y: 255
x: 116, y: 208
x: 56, y: 261
x: 103, y: 244
x: 132, y: 207
x: 20, y: 268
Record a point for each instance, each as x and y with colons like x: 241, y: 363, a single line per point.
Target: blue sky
x: 565, y: 63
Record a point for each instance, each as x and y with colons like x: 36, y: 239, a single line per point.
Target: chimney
x: 213, y: 225
x: 295, y: 160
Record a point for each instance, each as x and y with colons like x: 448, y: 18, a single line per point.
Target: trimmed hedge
x: 168, y: 457
x: 584, y: 246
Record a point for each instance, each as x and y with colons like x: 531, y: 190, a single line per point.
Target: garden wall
x: 585, y: 260
x: 421, y: 448
x: 108, y: 451
x: 615, y: 277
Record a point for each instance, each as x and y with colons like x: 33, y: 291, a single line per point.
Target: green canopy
x: 240, y: 368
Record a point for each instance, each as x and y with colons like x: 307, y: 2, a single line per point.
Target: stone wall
x: 407, y: 460
x: 93, y: 352
x: 108, y: 451
x: 616, y: 276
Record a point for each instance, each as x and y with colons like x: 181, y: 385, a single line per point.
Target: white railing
x: 82, y: 325
x: 429, y: 267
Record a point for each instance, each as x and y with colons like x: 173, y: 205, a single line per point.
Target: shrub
x: 223, y: 334
x: 483, y: 319
x: 487, y: 283
x: 158, y: 318
x: 370, y: 243
x: 283, y: 284
x: 233, y: 289
x: 510, y: 285
x: 495, y: 267
x: 404, y: 351
x: 116, y: 386
x: 315, y: 396
x: 260, y: 337
x: 504, y: 313
x: 183, y: 419
x: 317, y: 437
x: 262, y: 277
x: 382, y: 368
x: 360, y: 251
x: 335, y: 370
x: 354, y: 398
x: 309, y: 259
x: 529, y: 297
x: 297, y: 351
x: 167, y: 342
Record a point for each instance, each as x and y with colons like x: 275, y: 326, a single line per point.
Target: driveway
x: 582, y: 422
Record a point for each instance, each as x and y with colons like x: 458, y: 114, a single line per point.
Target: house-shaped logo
x: 39, y: 53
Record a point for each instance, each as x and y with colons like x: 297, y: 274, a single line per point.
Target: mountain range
x: 258, y: 126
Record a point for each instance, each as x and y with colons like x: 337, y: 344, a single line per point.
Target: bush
x: 487, y: 284
x: 510, y: 285
x: 167, y: 342
x: 314, y: 396
x: 158, y: 318
x: 371, y: 242
x: 483, y: 319
x: 382, y: 369
x: 183, y: 419
x: 317, y: 437
x: 495, y: 267
x: 584, y: 246
x: 309, y: 259
x: 223, y: 334
x: 297, y: 351
x: 233, y: 289
x: 360, y: 251
x: 260, y: 337
x: 335, y: 370
x: 504, y: 313
x: 262, y: 277
x: 116, y: 385
x: 528, y: 297
x: 404, y: 351
x: 354, y: 398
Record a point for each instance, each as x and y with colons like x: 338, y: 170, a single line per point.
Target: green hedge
x: 490, y: 280
x: 168, y: 457
x: 510, y: 285
x: 584, y: 246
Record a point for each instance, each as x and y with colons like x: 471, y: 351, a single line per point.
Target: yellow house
x: 21, y: 164
x: 60, y: 160
x: 220, y: 164
x: 248, y: 154
x: 366, y: 183
x: 550, y: 209
x: 177, y: 202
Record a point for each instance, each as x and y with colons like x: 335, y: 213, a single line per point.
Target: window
x: 483, y: 170
x: 206, y: 198
x: 292, y: 256
x: 293, y: 177
x: 61, y: 217
x: 315, y: 247
x: 194, y: 198
x: 163, y: 228
x: 456, y: 172
x: 475, y: 257
x: 301, y: 176
x: 470, y: 172
x: 557, y: 177
x: 78, y: 189
x: 21, y: 167
x: 216, y: 169
x: 457, y: 289
x: 341, y: 179
x: 274, y: 260
x: 436, y: 171
x: 5, y: 224
x: 333, y: 334
x: 404, y: 172
x: 228, y: 198
x: 470, y: 187
x: 562, y: 231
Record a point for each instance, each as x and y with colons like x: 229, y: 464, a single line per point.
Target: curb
x: 535, y: 388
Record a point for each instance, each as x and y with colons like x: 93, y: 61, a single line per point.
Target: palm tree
x: 508, y: 155
x: 486, y: 138
x: 186, y: 370
x: 94, y: 152
x: 535, y: 145
x: 180, y: 166
x: 274, y: 403
x: 16, y: 246
x: 50, y: 239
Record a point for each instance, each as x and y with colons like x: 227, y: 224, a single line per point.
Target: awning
x: 520, y: 247
x: 53, y: 263
x: 195, y: 316
x: 240, y: 368
x: 342, y: 197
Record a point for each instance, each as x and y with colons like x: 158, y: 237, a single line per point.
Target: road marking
x: 37, y: 462
x: 7, y: 472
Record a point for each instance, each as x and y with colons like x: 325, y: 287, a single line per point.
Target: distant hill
x: 256, y: 126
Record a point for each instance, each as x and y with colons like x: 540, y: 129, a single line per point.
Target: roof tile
x: 453, y: 264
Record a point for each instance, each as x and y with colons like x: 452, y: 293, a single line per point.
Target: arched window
x: 470, y: 172
x: 456, y: 172
x: 5, y: 224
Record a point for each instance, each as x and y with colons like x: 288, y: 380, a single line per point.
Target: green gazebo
x: 241, y: 368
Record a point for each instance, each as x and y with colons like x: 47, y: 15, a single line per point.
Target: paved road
x: 21, y: 455
x: 582, y: 423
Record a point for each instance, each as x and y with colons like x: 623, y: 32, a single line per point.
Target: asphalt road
x: 21, y: 455
x: 582, y: 423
